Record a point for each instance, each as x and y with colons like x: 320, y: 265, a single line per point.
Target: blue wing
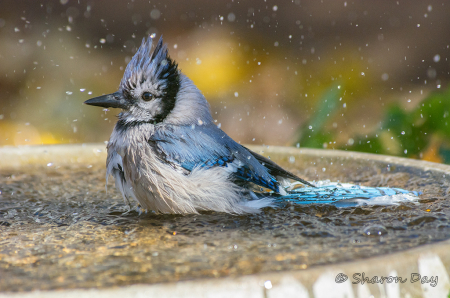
x: 208, y: 146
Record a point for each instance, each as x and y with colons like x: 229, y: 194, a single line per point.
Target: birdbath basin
x: 62, y: 231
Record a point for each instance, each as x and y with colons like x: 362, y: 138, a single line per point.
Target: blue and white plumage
x: 166, y: 152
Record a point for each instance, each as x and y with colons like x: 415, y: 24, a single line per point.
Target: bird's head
x: 153, y: 90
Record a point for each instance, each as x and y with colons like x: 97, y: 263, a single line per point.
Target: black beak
x: 114, y: 100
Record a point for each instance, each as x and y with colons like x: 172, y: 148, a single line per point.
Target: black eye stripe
x: 147, y: 96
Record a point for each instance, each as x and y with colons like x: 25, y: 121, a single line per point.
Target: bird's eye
x: 147, y: 96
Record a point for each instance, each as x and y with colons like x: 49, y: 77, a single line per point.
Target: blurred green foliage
x: 314, y: 134
x: 423, y: 132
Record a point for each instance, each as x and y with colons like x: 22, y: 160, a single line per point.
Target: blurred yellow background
x: 263, y: 65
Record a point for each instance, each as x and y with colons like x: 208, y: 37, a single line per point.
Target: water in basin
x: 60, y: 229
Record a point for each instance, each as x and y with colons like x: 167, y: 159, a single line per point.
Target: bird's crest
x: 156, y: 66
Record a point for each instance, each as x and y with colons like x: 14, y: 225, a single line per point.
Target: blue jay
x: 166, y: 152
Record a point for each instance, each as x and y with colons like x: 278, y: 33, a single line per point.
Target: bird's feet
x: 141, y: 210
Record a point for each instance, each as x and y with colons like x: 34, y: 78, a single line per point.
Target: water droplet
x: 155, y: 14
x: 236, y: 94
x: 375, y: 230
x: 69, y: 92
x: 268, y: 284
x: 436, y: 58
x: 291, y: 159
x: 324, y: 169
x: 350, y: 141
x: 275, y: 8
x: 82, y: 89
x: 406, y: 151
x: 231, y: 17
x: 403, y: 132
x: 310, y: 127
x: 102, y: 40
x: 49, y: 164
x: 152, y: 35
x: 384, y: 77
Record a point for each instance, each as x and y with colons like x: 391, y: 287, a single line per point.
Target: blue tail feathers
x: 347, y: 195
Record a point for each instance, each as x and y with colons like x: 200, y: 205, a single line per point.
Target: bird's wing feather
x: 276, y: 170
x: 208, y: 146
